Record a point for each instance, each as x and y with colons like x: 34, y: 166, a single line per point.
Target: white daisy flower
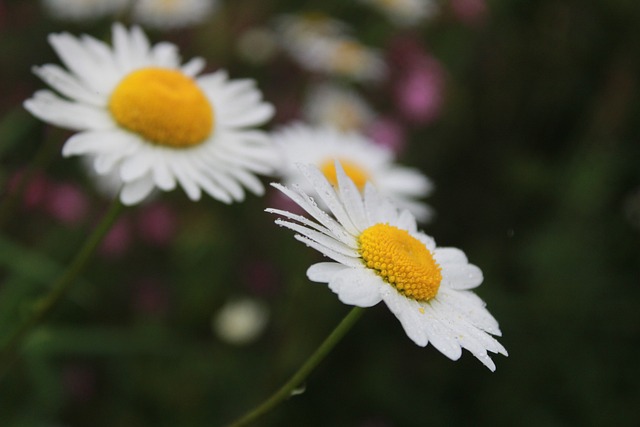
x: 378, y: 255
x: 362, y: 159
x: 337, y: 106
x: 405, y: 13
x: 169, y: 14
x: 140, y: 113
x: 324, y: 45
x: 81, y: 10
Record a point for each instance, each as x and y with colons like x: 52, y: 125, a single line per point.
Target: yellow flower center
x: 358, y: 175
x: 164, y: 106
x: 401, y: 260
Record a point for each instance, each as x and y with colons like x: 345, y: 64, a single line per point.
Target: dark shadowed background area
x: 533, y: 148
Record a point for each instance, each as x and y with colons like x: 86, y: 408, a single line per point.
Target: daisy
x: 143, y: 115
x: 338, y: 106
x: 324, y: 45
x: 378, y: 255
x: 405, y: 13
x: 169, y: 14
x: 362, y: 159
x: 81, y: 10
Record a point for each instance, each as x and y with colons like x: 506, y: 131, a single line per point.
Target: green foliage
x: 536, y: 162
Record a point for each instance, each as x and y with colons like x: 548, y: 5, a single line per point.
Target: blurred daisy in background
x: 338, y: 106
x: 241, y: 321
x: 143, y: 115
x: 362, y: 159
x: 81, y: 10
x: 324, y: 45
x: 378, y: 254
x: 405, y: 13
x: 169, y: 14
x: 257, y: 45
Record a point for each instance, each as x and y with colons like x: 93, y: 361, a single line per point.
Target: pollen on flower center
x: 164, y: 106
x: 358, y: 175
x: 401, y: 260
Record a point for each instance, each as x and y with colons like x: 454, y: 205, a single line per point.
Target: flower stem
x: 288, y: 388
x: 59, y: 289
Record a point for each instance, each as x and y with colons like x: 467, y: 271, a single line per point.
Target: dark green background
x: 536, y: 162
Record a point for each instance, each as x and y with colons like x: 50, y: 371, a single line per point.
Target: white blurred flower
x: 405, y: 13
x: 81, y: 10
x: 169, y: 14
x: 143, y: 115
x: 241, y: 322
x: 362, y: 159
x: 322, y: 44
x: 337, y: 106
x: 257, y: 45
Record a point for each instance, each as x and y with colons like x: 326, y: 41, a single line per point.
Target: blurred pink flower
x: 118, y: 239
x: 419, y: 91
x: 470, y: 12
x: 66, y: 203
x: 35, y: 190
x: 418, y: 81
x: 388, y: 133
x: 157, y: 223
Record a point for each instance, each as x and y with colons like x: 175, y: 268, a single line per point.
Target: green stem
x: 288, y: 388
x: 58, y: 290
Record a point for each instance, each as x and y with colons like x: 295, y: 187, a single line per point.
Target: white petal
x: 222, y: 180
x: 464, y: 304
x: 336, y: 256
x: 322, y: 272
x: 77, y: 58
x: 203, y: 177
x: 466, y: 276
x: 247, y: 179
x: 136, y: 166
x: 71, y: 115
x: 320, y: 238
x: 303, y: 220
x: 439, y: 335
x: 165, y: 54
x: 351, y: 199
x: 193, y: 66
x: 123, y: 49
x: 445, y: 256
x: 256, y: 116
x: 407, y: 221
x: 310, y: 206
x: 407, y: 181
x: 68, y: 85
x: 328, y: 195
x: 134, y: 192
x: 162, y: 176
x: 378, y: 208
x: 408, y: 313
x: 181, y: 172
x: 356, y: 286
x: 139, y: 45
x: 97, y: 142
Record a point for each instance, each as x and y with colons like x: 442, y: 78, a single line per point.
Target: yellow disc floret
x: 358, y: 175
x: 164, y: 106
x: 401, y: 260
